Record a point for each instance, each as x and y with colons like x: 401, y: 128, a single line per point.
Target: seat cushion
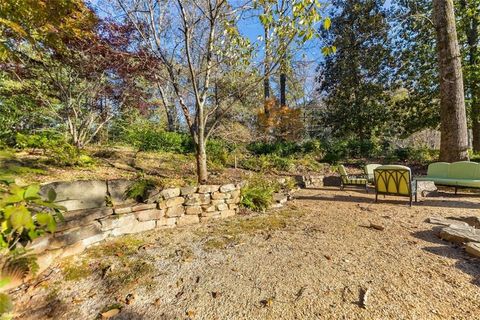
x: 463, y: 170
x: 468, y: 183
x: 356, y: 181
x: 369, y: 168
x: 438, y: 169
x: 342, y: 171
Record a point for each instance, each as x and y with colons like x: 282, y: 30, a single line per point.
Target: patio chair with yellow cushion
x: 393, y: 180
x: 351, y: 180
x: 369, y: 171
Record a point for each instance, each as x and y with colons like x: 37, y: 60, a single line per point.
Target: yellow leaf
x: 14, y: 26
x: 327, y: 23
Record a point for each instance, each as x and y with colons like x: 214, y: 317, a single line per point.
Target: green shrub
x: 41, y: 140
x: 55, y: 147
x: 281, y: 163
x: 308, y: 163
x: 414, y: 155
x: 474, y: 156
x: 336, y: 151
x: 278, y: 148
x: 289, y: 184
x: 149, y: 136
x: 341, y: 149
x: 218, y: 152
x: 286, y: 149
x: 261, y: 163
x: 313, y: 147
x: 140, y: 189
x: 256, y: 198
x: 274, y: 162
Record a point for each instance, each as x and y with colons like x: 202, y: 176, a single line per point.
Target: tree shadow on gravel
x: 51, y: 309
x: 465, y: 263
x: 351, y: 198
x: 128, y: 315
x: 389, y: 200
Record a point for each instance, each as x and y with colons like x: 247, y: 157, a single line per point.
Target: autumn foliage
x: 280, y: 122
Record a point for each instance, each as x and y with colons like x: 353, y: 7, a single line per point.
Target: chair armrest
x: 358, y: 176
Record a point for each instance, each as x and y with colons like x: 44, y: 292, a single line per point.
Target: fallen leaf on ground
x: 130, y: 298
x: 299, y: 293
x: 266, y: 302
x: 110, y: 313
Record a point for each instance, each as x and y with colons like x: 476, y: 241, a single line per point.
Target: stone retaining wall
x: 312, y: 181
x: 89, y: 220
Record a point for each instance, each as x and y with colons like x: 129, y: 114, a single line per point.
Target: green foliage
x: 418, y: 106
x: 55, y: 147
x: 284, y: 156
x: 6, y: 306
x: 257, y: 194
x: 11, y: 168
x: 140, y: 189
x: 307, y: 163
x: 354, y: 79
x: 271, y: 162
x: 342, y: 149
x: 285, y: 149
x: 349, y: 149
x: 281, y: 148
x: 218, y: 152
x: 411, y: 155
x: 255, y: 163
x: 149, y: 138
x: 24, y: 216
x: 474, y: 156
x: 289, y: 184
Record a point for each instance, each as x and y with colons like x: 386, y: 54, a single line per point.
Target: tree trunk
x: 267, y: 64
x: 170, y: 111
x: 283, y: 84
x: 201, y: 157
x: 172, y: 123
x: 472, y: 81
x: 454, y: 139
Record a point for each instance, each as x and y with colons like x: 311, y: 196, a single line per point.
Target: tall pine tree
x: 354, y: 80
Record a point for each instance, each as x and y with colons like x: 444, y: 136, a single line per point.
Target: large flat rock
x: 446, y: 222
x: 426, y: 188
x: 473, y: 248
x: 474, y: 221
x: 460, y: 234
x: 117, y: 190
x: 78, y: 195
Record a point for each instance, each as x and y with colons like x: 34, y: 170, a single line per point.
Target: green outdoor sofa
x: 463, y: 174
